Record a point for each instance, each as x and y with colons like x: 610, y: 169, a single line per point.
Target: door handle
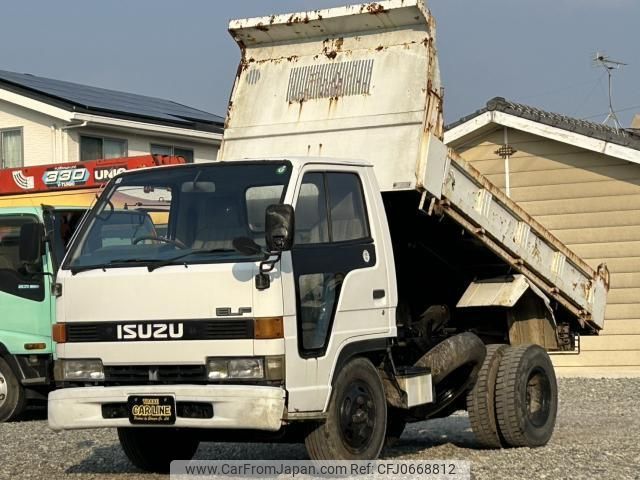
x: 378, y: 294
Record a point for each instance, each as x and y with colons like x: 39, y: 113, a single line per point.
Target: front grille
x: 217, y: 329
x: 153, y: 375
x: 229, y: 330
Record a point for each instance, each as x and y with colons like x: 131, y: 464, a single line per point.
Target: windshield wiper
x: 170, y: 261
x: 151, y: 264
x: 111, y: 263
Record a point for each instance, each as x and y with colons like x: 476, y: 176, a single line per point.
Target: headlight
x: 245, y: 368
x: 78, y: 370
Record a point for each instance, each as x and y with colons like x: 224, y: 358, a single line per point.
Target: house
x: 50, y: 121
x: 581, y: 180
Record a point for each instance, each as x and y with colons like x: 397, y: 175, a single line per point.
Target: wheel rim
x: 538, y: 399
x: 357, y: 416
x: 3, y: 389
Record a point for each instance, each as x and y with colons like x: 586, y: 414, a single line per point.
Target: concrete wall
x: 591, y: 202
x: 45, y: 142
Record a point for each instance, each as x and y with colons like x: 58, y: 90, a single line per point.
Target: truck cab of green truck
x: 27, y: 301
x: 28, y: 267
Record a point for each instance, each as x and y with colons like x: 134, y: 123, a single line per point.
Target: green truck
x: 28, y: 268
x: 27, y: 301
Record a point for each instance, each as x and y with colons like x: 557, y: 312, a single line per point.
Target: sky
x: 535, y: 52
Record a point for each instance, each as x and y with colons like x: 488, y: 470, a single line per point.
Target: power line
x: 633, y: 107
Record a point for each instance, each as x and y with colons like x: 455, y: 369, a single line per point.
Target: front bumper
x: 234, y: 406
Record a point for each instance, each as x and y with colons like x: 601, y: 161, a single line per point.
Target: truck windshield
x: 190, y: 214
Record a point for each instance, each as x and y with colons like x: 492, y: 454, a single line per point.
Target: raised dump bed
x: 363, y: 82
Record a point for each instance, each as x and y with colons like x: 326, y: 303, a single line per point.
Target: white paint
x: 234, y: 406
x: 395, y: 129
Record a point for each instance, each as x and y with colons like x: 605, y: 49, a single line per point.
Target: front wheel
x: 153, y: 449
x: 357, y: 417
x: 526, y: 396
x: 12, y: 395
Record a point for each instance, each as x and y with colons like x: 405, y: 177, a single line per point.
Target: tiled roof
x: 590, y: 129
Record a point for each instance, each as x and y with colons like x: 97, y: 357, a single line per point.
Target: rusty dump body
x: 363, y: 82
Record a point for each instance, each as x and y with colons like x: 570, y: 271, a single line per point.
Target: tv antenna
x: 604, y: 61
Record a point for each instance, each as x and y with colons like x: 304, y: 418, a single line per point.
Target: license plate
x: 152, y: 409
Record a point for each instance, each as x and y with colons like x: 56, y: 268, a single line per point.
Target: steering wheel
x: 177, y: 243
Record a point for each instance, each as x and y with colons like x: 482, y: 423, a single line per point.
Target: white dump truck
x: 337, y: 274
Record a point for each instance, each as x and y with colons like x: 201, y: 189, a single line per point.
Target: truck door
x: 340, y: 281
x: 24, y: 301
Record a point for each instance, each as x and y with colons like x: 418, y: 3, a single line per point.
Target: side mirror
x: 279, y: 227
x: 31, y: 237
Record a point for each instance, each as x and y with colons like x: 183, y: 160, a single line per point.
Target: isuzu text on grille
x: 143, y: 331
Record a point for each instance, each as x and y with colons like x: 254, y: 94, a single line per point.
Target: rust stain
x: 293, y: 19
x: 330, y: 48
x: 333, y: 102
x: 260, y: 26
x: 536, y: 251
x: 301, y: 103
x: 228, y: 117
x: 379, y: 48
x: 373, y: 8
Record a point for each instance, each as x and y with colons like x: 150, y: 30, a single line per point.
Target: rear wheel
x: 356, y: 418
x: 12, y: 395
x: 526, y: 396
x: 153, y: 449
x: 481, y: 400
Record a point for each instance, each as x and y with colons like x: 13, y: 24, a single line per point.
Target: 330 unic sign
x: 65, y: 177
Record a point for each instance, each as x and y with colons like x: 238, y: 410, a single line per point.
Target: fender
x: 367, y: 348
x: 358, y: 348
x: 11, y: 360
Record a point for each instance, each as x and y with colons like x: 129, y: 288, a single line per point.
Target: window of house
x: 186, y: 153
x: 95, y: 148
x: 11, y: 152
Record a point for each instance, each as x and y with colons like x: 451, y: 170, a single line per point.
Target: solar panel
x: 94, y: 98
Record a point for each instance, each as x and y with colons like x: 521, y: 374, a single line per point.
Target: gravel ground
x: 597, y: 436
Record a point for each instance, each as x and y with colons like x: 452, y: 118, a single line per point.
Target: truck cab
x: 26, y: 279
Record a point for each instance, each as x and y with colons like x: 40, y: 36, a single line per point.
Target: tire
x: 356, y: 417
x: 153, y: 449
x: 481, y: 400
x: 12, y: 395
x: 454, y: 365
x: 526, y: 396
x: 396, y: 422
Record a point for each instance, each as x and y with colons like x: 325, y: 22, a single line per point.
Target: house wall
x: 44, y: 140
x: 591, y: 202
x: 37, y: 132
x: 140, y: 144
